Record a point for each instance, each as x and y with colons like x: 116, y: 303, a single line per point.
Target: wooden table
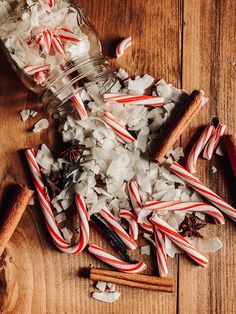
x: 189, y: 43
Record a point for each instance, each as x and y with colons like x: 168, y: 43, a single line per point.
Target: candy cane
x: 48, y: 214
x: 132, y: 221
x: 203, y: 190
x: 57, y: 45
x: 153, y: 101
x: 40, y: 77
x: 115, y: 262
x: 213, y: 141
x: 79, y: 106
x: 186, y: 206
x: 198, y: 147
x: 119, y: 129
x: 116, y: 226
x: 161, y: 253
x: 180, y: 241
x: 45, y: 42
x: 51, y: 3
x: 32, y: 69
x: 122, y: 46
x: 67, y: 35
x: 137, y: 205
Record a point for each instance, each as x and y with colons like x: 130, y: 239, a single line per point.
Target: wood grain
x: 209, y: 63
x: 34, y: 276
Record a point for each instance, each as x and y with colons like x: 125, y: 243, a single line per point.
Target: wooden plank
x: 35, y: 277
x: 209, y: 63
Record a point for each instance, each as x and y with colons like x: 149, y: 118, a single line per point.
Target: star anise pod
x: 190, y: 226
x: 99, y: 182
x: 53, y: 184
x: 73, y: 151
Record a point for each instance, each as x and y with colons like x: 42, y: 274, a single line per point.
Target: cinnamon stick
x: 13, y: 214
x: 178, y: 126
x: 230, y: 145
x: 133, y: 280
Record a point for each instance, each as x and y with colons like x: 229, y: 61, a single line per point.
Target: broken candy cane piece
x: 115, y: 262
x: 152, y: 101
x: 198, y: 147
x: 57, y: 45
x: 213, y: 141
x: 122, y: 46
x: 132, y: 221
x: 79, y: 106
x: 45, y: 42
x: 32, y: 69
x: 198, y: 186
x: 180, y: 241
x: 67, y: 35
x: 178, y: 206
x: 45, y: 204
x: 137, y: 205
x: 119, y: 129
x: 111, y: 220
x: 161, y: 252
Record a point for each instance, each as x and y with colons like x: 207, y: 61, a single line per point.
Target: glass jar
x: 55, y: 50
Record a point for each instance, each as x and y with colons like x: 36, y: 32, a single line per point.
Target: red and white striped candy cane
x: 178, y: 206
x: 45, y: 42
x: 57, y: 45
x: 152, y: 101
x: 213, y: 141
x: 44, y: 201
x: 51, y: 3
x: 161, y: 252
x: 198, y: 147
x: 40, y: 77
x: 122, y: 46
x: 32, y: 69
x: 118, y: 128
x: 180, y: 241
x: 115, y: 262
x: 79, y: 106
x: 68, y: 35
x: 132, y: 221
x: 203, y: 190
x: 137, y: 205
x: 111, y: 220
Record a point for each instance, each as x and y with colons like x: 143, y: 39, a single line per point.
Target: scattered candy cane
x: 40, y: 77
x: 213, y: 141
x: 180, y: 241
x: 198, y: 147
x: 48, y: 214
x: 45, y: 42
x: 57, y: 45
x: 137, y: 205
x: 119, y: 129
x: 203, y: 190
x: 161, y: 252
x: 119, y: 230
x: 33, y: 69
x: 68, y: 35
x: 79, y: 106
x: 122, y: 46
x: 178, y: 206
x: 153, y: 101
x: 132, y: 221
x: 115, y: 262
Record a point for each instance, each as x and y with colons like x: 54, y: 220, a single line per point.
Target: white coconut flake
x: 32, y: 201
x: 206, y: 245
x: 107, y: 297
x: 25, y: 114
x: 41, y: 125
x: 45, y: 158
x: 60, y: 217
x: 145, y: 250
x: 67, y: 234
x: 101, y: 285
x: 33, y: 113
x: 214, y: 169
x: 177, y: 153
x: 122, y: 74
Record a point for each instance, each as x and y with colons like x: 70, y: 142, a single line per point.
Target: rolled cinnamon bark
x: 230, y: 145
x: 13, y: 214
x: 178, y: 126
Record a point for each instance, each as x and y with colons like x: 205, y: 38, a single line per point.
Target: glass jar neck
x: 93, y: 73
